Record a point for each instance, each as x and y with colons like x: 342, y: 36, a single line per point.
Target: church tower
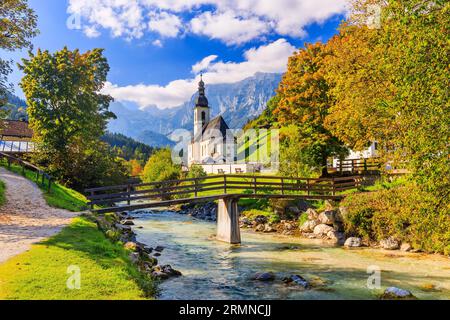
x: 201, y: 110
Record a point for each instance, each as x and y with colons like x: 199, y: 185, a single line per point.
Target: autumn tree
x: 18, y: 25
x: 68, y: 115
x: 160, y: 167
x: 304, y: 102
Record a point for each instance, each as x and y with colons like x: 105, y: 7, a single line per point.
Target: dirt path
x: 26, y: 218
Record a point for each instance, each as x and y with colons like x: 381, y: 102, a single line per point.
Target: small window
x: 203, y: 117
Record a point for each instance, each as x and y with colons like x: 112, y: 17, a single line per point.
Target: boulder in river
x: 127, y: 223
x: 393, y: 293
x: 322, y: 230
x: 264, y: 276
x: 390, y: 244
x: 298, y: 280
x: 328, y: 217
x: 353, y: 242
x: 309, y: 226
x: 159, y: 249
x: 261, y: 219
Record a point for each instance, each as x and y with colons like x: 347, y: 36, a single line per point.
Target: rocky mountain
x: 237, y: 103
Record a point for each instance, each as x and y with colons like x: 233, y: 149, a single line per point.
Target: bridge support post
x: 228, y: 221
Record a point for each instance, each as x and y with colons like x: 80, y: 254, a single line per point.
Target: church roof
x: 218, y: 124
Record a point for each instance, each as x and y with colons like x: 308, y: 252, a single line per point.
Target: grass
x: 105, y: 269
x: 2, y: 193
x: 58, y: 197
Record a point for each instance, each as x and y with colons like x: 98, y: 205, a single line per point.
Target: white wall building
x: 213, y: 145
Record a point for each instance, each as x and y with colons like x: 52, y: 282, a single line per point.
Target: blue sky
x: 157, y: 48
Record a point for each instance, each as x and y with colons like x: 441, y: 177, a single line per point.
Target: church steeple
x: 201, y: 110
x: 201, y: 101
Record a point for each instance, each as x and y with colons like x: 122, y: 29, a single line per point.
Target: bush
x: 160, y: 167
x: 407, y: 213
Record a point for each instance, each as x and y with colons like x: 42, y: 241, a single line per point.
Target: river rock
x: 159, y: 249
x: 327, y: 217
x: 298, y: 280
x: 157, y: 254
x: 167, y: 269
x: 390, y: 244
x: 127, y: 223
x: 312, y: 214
x: 264, y: 276
x: 353, y: 242
x: 268, y: 229
x: 160, y: 275
x: 405, y: 247
x: 393, y: 293
x: 260, y: 228
x: 122, y: 227
x: 261, y: 220
x: 322, y: 230
x: 132, y: 246
x: 134, y: 257
x: 309, y: 226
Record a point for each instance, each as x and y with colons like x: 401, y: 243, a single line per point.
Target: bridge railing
x: 220, y: 186
x: 359, y: 165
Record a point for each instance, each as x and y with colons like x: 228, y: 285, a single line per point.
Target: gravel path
x: 26, y: 218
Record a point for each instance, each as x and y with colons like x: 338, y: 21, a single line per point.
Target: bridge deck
x: 169, y: 203
x: 211, y: 188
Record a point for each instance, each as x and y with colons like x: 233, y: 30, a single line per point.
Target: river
x: 214, y: 270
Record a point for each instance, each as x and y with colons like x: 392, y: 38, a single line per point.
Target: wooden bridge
x: 227, y: 189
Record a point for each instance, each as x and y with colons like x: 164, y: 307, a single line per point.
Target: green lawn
x: 2, y: 193
x: 106, y: 272
x: 58, y: 197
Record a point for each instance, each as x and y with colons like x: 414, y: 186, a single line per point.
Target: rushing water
x: 214, y: 270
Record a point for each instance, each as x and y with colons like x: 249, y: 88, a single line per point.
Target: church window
x: 203, y: 117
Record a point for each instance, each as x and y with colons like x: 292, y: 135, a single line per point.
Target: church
x: 213, y: 143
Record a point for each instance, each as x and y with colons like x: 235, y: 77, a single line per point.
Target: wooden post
x: 365, y: 165
x: 23, y: 169
x: 129, y: 194
x: 255, y: 190
x: 334, y: 187
x: 282, y: 186
x: 196, y: 187
x: 341, y: 168
x: 228, y: 221
x: 308, y: 185
x: 225, y: 183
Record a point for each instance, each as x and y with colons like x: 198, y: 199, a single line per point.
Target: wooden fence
x: 220, y: 186
x: 358, y: 165
x: 41, y: 176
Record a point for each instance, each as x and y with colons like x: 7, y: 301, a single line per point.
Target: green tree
x: 18, y: 25
x: 160, y: 167
x: 68, y: 114
x: 305, y: 102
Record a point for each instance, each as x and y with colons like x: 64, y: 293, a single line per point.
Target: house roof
x: 13, y: 128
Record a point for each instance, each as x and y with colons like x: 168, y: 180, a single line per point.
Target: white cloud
x: 204, y: 64
x: 271, y: 58
x: 157, y: 43
x: 166, y: 24
x: 231, y: 21
x: 228, y: 27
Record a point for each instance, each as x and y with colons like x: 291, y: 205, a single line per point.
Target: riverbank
x: 49, y: 270
x: 46, y: 249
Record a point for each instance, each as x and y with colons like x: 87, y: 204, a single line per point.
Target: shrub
x: 407, y: 213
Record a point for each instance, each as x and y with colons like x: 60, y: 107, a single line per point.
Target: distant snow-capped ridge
x: 237, y: 103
